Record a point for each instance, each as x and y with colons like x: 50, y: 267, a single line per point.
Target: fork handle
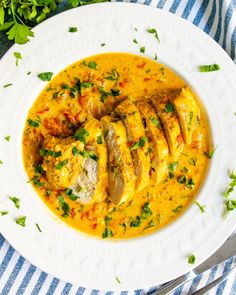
x: 169, y: 287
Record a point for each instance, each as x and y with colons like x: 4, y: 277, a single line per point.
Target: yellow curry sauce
x: 104, y: 81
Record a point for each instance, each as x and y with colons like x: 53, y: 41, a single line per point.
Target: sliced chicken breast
x: 167, y: 114
x: 187, y: 111
x: 92, y: 182
x: 159, y: 150
x: 120, y: 165
x: 138, y: 142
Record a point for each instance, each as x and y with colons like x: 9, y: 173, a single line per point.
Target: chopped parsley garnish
x: 61, y: 164
x: 1, y: 162
x: 146, y: 211
x: 142, y: 49
x: 136, y: 222
x: 138, y: 144
x: 38, y: 227
x: 169, y: 108
x: 16, y: 201
x: 190, y: 184
x: 136, y: 29
x: 107, y: 233
x: 33, y: 123
x: 103, y: 44
x: 18, y: 57
x: 72, y: 29
x: 86, y: 84
x: 182, y: 179
x: 150, y: 224
x: 210, y: 154
x: 155, y: 121
x: 172, y: 167
x: 118, y: 280
x: 92, y: 65
x: 28, y: 73
x: 46, y: 76
x: 55, y: 95
x: 99, y: 139
x: 135, y: 41
x: 7, y: 138
x: 191, y: 259
x: 21, y: 220
x: 230, y: 204
x: 209, y: 68
x: 75, y: 151
x: 89, y: 154
x: 65, y: 86
x: 112, y: 76
x: 193, y: 161
x: 155, y: 57
x: 7, y: 85
x: 104, y: 94
x: 177, y: 209
x: 107, y: 220
x: 48, y: 192
x: 115, y: 92
x: 44, y: 152
x: 154, y: 31
x: 201, y: 207
x: 64, y: 206
x: 69, y: 193
x: 81, y: 135
x: 36, y: 181
x: 3, y: 213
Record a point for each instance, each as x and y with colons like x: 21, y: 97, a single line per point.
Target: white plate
x: 62, y: 251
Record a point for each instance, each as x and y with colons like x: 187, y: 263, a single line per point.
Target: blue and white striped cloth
x: 18, y: 276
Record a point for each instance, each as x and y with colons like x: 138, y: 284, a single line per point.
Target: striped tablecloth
x: 18, y: 276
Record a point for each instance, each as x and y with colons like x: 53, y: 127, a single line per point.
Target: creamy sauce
x: 58, y: 110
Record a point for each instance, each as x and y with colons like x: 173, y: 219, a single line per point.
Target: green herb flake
x: 201, y: 207
x: 4, y: 213
x: 118, y: 280
x: 7, y: 85
x: 7, y: 138
x: 209, y: 68
x: 44, y: 152
x: 154, y: 31
x: 115, y: 92
x: 155, y: 57
x: 136, y: 222
x: 81, y: 135
x: 113, y: 75
x: 191, y: 259
x: 1, y: 162
x: 142, y: 49
x: 61, y: 164
x: 21, y: 220
x: 28, y: 73
x: 86, y: 84
x: 231, y: 186
x: 36, y: 181
x: 169, y: 108
x: 48, y: 192
x: 182, y: 179
x: 45, y: 76
x: 155, y: 121
x: 72, y: 29
x: 103, y: 44
x: 178, y: 209
x: 172, y: 167
x: 75, y: 151
x: 64, y: 206
x: 69, y: 193
x: 33, y: 123
x: 107, y: 233
x: 150, y: 224
x: 99, y: 139
x: 18, y: 57
x: 211, y: 153
x: 138, y: 144
x: 89, y: 154
x: 38, y: 227
x: 92, y: 65
x: 135, y: 41
x: 146, y: 211
x: 16, y: 201
x: 190, y: 184
x: 136, y: 30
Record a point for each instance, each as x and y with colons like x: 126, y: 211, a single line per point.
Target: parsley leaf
x: 169, y: 108
x: 154, y: 31
x: 142, y: 49
x: 209, y: 68
x: 7, y: 85
x: 81, y: 135
x: 72, y: 29
x: 201, y: 207
x: 21, y: 220
x: 210, y: 154
x: 118, y: 280
x: 45, y: 76
x: 20, y: 33
x: 7, y: 138
x: 17, y: 56
x: 16, y: 201
x: 191, y: 259
x: 92, y: 65
x: 138, y: 144
x: 38, y: 227
x: 61, y: 164
x: 4, y: 213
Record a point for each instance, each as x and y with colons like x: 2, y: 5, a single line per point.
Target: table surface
x: 18, y: 276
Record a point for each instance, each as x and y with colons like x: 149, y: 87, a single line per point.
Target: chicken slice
x: 158, y: 146
x: 120, y: 165
x: 166, y: 112
x: 138, y: 143
x: 60, y: 165
x: 92, y: 182
x: 187, y: 111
